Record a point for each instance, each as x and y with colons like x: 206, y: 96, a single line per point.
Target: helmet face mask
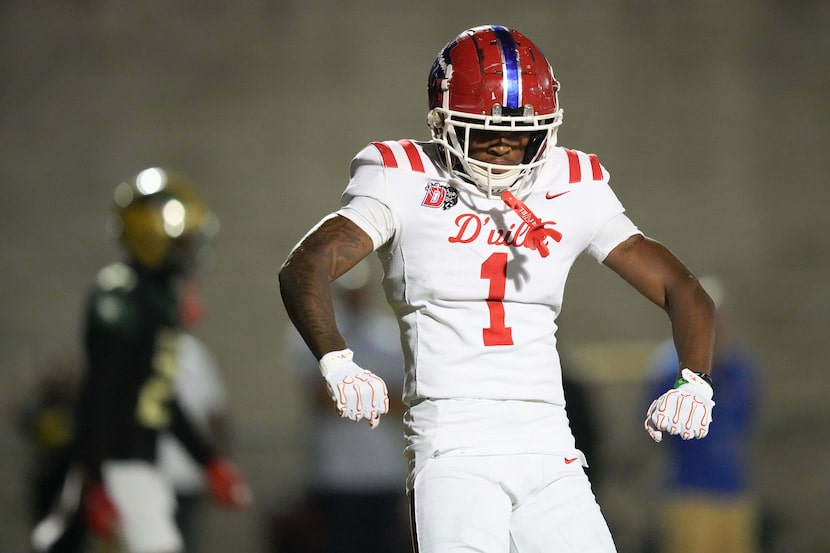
x: 163, y: 223
x: 491, y: 78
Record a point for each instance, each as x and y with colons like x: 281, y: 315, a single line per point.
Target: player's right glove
x: 685, y: 410
x: 357, y: 393
x: 99, y: 511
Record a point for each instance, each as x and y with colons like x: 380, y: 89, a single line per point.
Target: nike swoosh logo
x: 549, y: 196
x: 569, y: 461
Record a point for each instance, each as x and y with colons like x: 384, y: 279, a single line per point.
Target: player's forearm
x: 333, y: 247
x: 692, y: 317
x: 662, y: 278
x: 307, y: 298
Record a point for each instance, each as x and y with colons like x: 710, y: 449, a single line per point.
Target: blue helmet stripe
x: 510, y: 55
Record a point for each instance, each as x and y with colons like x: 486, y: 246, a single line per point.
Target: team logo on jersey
x: 440, y: 195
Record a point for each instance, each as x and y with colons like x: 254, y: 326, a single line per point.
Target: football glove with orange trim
x: 685, y: 410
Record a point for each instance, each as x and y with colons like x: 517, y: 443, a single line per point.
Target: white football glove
x: 357, y: 393
x: 685, y: 410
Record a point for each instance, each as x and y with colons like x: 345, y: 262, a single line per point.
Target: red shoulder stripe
x: 576, y: 170
x: 596, y: 170
x: 573, y: 166
x: 387, y: 155
x: 413, y: 155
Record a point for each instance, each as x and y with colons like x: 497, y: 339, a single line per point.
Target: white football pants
x: 525, y: 503
x: 146, y: 504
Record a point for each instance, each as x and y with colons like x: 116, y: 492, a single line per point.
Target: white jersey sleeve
x: 612, y: 234
x: 372, y: 216
x: 365, y: 200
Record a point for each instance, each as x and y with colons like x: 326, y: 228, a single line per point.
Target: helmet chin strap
x: 494, y: 183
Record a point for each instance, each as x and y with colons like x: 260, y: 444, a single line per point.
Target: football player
x: 135, y: 315
x: 477, y: 230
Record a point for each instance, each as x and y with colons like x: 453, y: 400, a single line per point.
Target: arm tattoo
x: 322, y: 256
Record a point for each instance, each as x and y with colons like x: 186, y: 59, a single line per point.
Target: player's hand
x: 99, y: 512
x: 358, y: 394
x: 226, y: 483
x: 685, y: 410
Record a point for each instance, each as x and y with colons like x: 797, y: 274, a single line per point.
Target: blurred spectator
x: 47, y: 423
x: 135, y: 316
x: 710, y: 505
x: 357, y: 472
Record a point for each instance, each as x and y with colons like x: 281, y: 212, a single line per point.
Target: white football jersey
x: 477, y: 306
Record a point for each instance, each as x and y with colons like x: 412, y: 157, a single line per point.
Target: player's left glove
x: 226, y: 483
x: 685, y: 410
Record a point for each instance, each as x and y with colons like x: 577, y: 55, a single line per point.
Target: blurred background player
x: 710, y: 506
x: 355, y: 484
x: 46, y: 420
x: 200, y: 388
x: 133, y: 327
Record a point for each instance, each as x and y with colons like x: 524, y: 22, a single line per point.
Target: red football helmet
x: 492, y: 78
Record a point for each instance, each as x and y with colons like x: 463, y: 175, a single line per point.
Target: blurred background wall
x: 711, y: 116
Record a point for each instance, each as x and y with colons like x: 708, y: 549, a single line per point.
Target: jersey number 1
x: 494, y: 269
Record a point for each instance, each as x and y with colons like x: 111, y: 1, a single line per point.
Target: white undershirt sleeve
x: 372, y: 216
